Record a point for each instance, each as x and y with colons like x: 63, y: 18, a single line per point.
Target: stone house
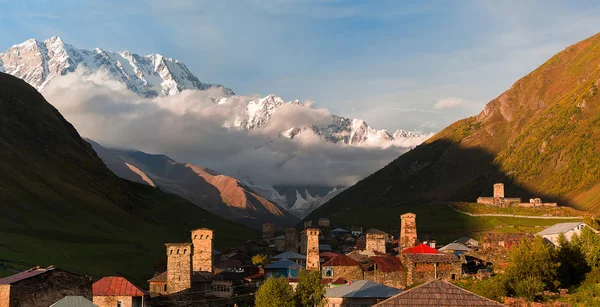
x: 359, y: 293
x: 387, y: 270
x: 344, y: 267
x: 569, y: 230
x: 468, y: 242
x: 424, y: 263
x: 117, y: 291
x: 42, y: 287
x: 454, y: 248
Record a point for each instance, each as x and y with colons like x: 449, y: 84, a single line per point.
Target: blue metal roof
x: 284, y: 264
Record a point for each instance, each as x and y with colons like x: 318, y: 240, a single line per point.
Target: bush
x: 494, y: 288
x: 529, y: 287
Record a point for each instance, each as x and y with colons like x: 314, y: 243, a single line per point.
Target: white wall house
x: 568, y: 229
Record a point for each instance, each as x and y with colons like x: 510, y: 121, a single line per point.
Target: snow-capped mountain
x: 148, y: 75
x: 338, y: 129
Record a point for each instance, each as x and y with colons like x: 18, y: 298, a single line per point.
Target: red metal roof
x: 341, y: 260
x: 387, y: 263
x: 116, y: 286
x: 24, y: 275
x: 421, y: 249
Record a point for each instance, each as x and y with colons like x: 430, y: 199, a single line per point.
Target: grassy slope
x: 541, y: 138
x: 60, y: 205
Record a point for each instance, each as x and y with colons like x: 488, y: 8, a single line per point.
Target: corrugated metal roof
x: 437, y: 293
x: 116, y: 286
x: 74, y: 301
x: 559, y: 228
x: 421, y: 249
x: 341, y: 260
x: 284, y: 264
x: 455, y: 247
x: 289, y: 255
x: 362, y: 289
x: 24, y: 275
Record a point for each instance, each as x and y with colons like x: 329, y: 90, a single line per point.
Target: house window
x: 119, y: 303
x: 165, y: 288
x: 328, y: 271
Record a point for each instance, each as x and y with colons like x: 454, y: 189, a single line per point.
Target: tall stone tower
x: 312, y: 249
x: 376, y: 240
x: 179, y: 267
x: 408, y: 231
x: 203, y: 239
x: 291, y: 242
x: 499, y: 190
x: 268, y: 229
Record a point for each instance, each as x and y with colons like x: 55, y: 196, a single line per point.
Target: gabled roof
x: 284, y: 264
x: 437, y: 293
x: 73, y: 301
x: 341, y: 260
x: 116, y: 286
x: 464, y: 240
x: 362, y: 289
x: 420, y: 249
x: 559, y: 228
x: 376, y: 231
x: 24, y: 275
x: 387, y: 263
x: 328, y: 255
x: 162, y: 277
x: 339, y: 230
x: 289, y: 255
x: 455, y: 247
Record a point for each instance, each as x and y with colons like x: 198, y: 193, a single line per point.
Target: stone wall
x: 111, y: 301
x: 499, y: 190
x: 203, y: 241
x: 45, y: 289
x: 179, y: 267
x: 375, y: 242
x: 396, y: 279
x: 312, y: 249
x: 158, y: 287
x: 424, y: 272
x: 345, y: 272
x: 408, y: 231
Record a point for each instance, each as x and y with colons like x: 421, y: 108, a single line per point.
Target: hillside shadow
x: 420, y: 181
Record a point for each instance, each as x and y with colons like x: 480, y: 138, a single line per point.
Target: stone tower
x: 291, y: 242
x: 268, y: 229
x: 312, y: 249
x: 375, y: 240
x: 499, y: 190
x: 408, y: 231
x: 202, y: 239
x: 303, y: 243
x: 179, y: 267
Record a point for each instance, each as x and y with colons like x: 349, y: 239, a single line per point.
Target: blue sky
x: 396, y: 64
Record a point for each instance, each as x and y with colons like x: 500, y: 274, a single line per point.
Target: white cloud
x: 450, y: 102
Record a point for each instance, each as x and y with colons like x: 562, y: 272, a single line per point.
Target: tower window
x: 171, y: 252
x: 195, y: 236
x: 178, y: 252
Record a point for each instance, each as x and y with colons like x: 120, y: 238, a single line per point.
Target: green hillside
x: 541, y: 138
x: 60, y: 205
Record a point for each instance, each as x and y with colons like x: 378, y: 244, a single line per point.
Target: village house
x: 424, y: 263
x: 339, y: 232
x: 297, y: 258
x: 42, y: 287
x: 74, y: 301
x: 356, y: 231
x: 468, y: 242
x: 437, y: 293
x: 117, y: 291
x: 375, y: 241
x: 387, y: 270
x: 283, y: 268
x: 278, y: 243
x: 454, y: 248
x: 343, y: 266
x: 359, y: 293
x: 569, y: 230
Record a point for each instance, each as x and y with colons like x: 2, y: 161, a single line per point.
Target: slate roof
x: 341, y: 260
x: 24, y: 275
x: 387, y: 263
x: 74, y: 301
x: 376, y: 231
x: 421, y: 249
x: 455, y: 247
x: 284, y: 264
x: 116, y: 286
x: 464, y: 240
x: 559, y: 228
x: 162, y: 277
x: 362, y: 289
x: 437, y: 293
x: 431, y: 258
x: 289, y: 255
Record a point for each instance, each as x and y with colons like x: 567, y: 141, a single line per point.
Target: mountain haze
x: 61, y: 205
x: 540, y: 138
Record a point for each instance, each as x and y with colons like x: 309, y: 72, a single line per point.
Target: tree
x: 573, y: 263
x: 260, y: 260
x: 275, y: 292
x: 533, y: 267
x: 310, y: 290
x: 590, y: 242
